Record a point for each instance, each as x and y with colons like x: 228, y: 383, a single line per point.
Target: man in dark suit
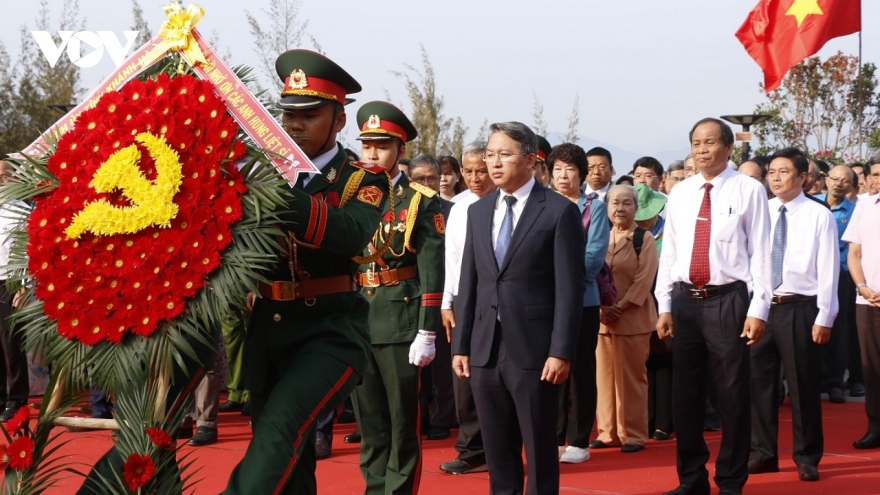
x: 522, y: 281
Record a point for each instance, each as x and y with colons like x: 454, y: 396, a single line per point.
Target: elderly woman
x: 568, y: 165
x: 625, y: 330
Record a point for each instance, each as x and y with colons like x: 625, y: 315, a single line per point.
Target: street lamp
x: 746, y: 121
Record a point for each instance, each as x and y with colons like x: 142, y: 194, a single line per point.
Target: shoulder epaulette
x: 424, y: 191
x: 369, y: 167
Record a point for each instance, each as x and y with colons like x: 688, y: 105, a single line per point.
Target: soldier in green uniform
x: 404, y: 287
x: 540, y: 171
x: 308, y: 343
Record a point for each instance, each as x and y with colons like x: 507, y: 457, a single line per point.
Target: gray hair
x: 675, y: 166
x: 424, y: 160
x: 477, y: 147
x: 625, y: 187
x: 873, y: 160
x: 523, y: 135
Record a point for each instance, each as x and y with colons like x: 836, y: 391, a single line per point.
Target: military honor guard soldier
x: 404, y: 286
x: 804, y: 271
x: 308, y: 342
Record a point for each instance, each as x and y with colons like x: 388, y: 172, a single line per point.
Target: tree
x: 574, y: 120
x: 540, y: 125
x: 427, y: 112
x: 483, y: 132
x: 140, y: 25
x: 818, y: 109
x: 32, y: 86
x: 284, y: 32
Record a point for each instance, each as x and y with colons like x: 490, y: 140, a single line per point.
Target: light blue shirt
x: 597, y: 246
x: 842, y: 214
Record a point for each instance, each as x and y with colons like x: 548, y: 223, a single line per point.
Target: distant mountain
x: 623, y: 159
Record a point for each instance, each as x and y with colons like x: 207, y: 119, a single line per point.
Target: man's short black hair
x: 801, y: 163
x: 824, y: 168
x: 763, y: 161
x: 649, y: 162
x: 726, y: 132
x: 600, y: 151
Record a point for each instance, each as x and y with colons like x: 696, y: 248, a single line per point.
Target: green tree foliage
x: 29, y: 86
x: 574, y: 120
x: 818, y: 109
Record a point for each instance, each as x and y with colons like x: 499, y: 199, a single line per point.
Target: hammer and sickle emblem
x: 152, y: 201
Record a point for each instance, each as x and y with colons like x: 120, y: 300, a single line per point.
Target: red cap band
x: 375, y: 125
x: 298, y: 84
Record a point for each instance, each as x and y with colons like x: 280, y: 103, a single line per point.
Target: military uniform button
x: 369, y: 293
x: 405, y: 298
x: 493, y: 307
x: 277, y: 317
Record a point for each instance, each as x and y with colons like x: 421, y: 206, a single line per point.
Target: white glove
x: 422, y: 350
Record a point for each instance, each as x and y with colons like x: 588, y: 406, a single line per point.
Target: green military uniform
x: 232, y: 327
x: 404, y: 289
x: 307, y: 343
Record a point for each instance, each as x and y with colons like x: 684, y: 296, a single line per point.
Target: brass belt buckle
x: 283, y: 291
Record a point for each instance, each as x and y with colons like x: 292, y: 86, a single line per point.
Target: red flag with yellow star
x: 780, y: 33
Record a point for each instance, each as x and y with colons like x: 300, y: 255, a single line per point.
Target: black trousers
x: 788, y: 342
x: 437, y: 395
x: 707, y: 340
x: 868, y: 319
x: 470, y: 437
x: 523, y: 411
x: 660, y: 392
x: 577, y: 396
x: 834, y: 353
x: 14, y: 368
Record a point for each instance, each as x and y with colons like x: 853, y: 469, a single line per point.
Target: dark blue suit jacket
x: 539, y: 287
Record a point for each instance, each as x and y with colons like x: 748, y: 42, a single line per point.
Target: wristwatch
x: 859, y: 287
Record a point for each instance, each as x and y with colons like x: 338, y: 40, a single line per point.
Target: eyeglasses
x: 841, y: 180
x: 490, y: 157
x: 676, y: 179
x: 645, y: 176
x: 424, y: 180
x: 597, y: 168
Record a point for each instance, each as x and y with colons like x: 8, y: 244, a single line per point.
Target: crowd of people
x: 521, y: 295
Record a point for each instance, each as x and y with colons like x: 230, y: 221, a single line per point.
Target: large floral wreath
x: 147, y: 190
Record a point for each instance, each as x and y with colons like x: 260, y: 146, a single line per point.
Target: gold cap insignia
x: 374, y: 122
x: 298, y: 79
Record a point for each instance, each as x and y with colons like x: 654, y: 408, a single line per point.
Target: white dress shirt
x: 811, y: 266
x: 601, y: 192
x: 462, y: 195
x: 456, y: 234
x: 521, y: 195
x: 740, y: 238
x: 864, y: 230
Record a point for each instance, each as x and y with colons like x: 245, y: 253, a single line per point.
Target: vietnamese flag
x: 778, y: 34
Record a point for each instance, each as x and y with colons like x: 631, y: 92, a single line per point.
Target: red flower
x: 19, y: 421
x: 2, y: 458
x: 160, y: 437
x: 20, y: 453
x: 138, y: 470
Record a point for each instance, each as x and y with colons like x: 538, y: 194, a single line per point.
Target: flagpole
x: 861, y: 102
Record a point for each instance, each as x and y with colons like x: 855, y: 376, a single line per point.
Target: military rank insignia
x: 401, y: 193
x: 370, y: 195
x: 439, y: 223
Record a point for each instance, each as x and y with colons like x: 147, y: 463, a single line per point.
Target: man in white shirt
x: 804, y: 268
x: 716, y: 252
x: 471, y: 455
x: 863, y: 236
x: 599, y: 172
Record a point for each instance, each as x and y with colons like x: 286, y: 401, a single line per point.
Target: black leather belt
x: 792, y: 298
x: 711, y: 290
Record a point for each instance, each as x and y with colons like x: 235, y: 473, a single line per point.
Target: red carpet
x: 844, y: 470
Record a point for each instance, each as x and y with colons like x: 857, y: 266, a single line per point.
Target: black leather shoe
x: 836, y: 395
x: 631, y: 447
x: 808, y: 473
x: 322, y: 449
x: 730, y: 491
x: 761, y: 467
x: 230, y: 406
x: 8, y: 413
x: 698, y: 489
x: 661, y: 435
x: 712, y: 424
x: 353, y: 438
x: 871, y: 440
x: 204, y: 436
x: 599, y: 444
x: 438, y: 433
x: 246, y: 409
x: 857, y: 390
x: 346, y: 417
x: 461, y: 466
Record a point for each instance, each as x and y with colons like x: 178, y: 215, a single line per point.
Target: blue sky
x: 645, y: 70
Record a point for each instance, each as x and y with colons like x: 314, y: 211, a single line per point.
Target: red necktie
x: 700, y: 257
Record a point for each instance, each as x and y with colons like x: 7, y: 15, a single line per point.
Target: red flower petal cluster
x: 138, y: 470
x: 20, y: 420
x: 160, y: 437
x: 20, y: 453
x: 100, y: 287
